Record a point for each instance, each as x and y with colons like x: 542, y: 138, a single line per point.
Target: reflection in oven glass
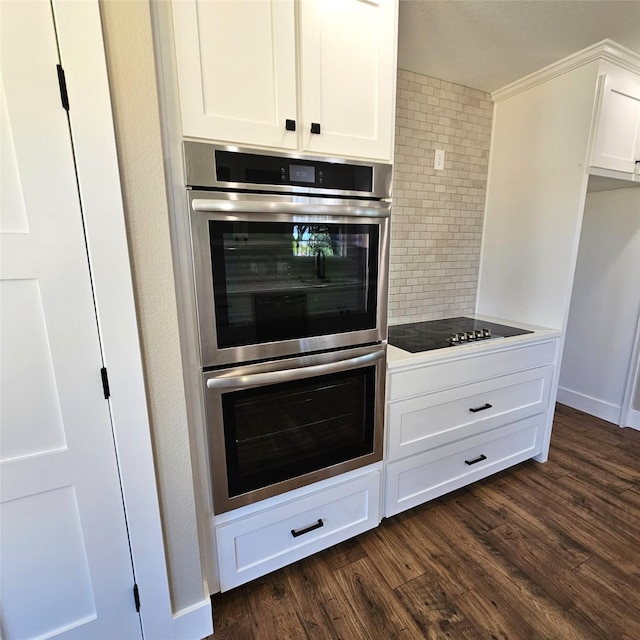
x: 278, y: 281
x: 281, y: 431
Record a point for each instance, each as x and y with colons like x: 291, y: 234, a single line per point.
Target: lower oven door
x: 276, y: 426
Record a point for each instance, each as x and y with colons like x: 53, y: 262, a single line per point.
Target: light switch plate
x: 439, y: 161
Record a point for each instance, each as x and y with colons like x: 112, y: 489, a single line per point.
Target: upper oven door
x: 278, y: 275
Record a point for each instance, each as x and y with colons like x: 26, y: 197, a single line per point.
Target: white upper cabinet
x: 347, y: 76
x: 236, y: 63
x: 309, y: 75
x: 616, y: 142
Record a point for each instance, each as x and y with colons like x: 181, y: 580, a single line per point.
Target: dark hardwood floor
x: 538, y: 551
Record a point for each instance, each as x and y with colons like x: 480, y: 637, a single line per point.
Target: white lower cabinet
x: 437, y: 419
x: 413, y: 380
x: 458, y: 419
x: 266, y: 540
x: 420, y: 478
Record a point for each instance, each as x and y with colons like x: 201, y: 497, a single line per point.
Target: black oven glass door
x: 286, y: 430
x: 276, y: 281
x: 275, y: 437
x: 275, y: 277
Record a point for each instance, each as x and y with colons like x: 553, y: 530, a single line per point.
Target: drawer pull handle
x: 482, y: 408
x: 299, y: 532
x: 478, y: 459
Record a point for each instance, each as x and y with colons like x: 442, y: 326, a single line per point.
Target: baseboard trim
x: 194, y: 622
x: 633, y: 420
x: 592, y: 406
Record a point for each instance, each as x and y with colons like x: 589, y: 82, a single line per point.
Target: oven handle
x: 295, y: 208
x: 274, y: 377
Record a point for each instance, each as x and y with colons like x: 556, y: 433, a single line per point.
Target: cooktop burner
x: 438, y: 334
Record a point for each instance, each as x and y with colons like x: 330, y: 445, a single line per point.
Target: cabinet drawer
x: 440, y: 418
x: 426, y: 476
x: 439, y: 374
x: 262, y: 542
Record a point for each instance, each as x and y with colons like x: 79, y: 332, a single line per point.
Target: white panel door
x: 617, y: 139
x: 236, y: 65
x: 347, y: 67
x: 66, y: 566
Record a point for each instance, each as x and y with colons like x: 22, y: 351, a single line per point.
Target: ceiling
x: 487, y: 44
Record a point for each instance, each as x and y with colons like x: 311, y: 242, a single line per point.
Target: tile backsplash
x: 437, y: 215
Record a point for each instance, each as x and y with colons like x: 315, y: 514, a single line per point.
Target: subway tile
x: 437, y: 216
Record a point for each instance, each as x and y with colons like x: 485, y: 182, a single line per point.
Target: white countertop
x: 397, y: 358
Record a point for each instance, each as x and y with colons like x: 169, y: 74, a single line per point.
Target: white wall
x: 604, y: 305
x: 130, y: 61
x: 535, y: 198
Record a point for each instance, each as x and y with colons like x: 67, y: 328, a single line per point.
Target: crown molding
x: 604, y: 50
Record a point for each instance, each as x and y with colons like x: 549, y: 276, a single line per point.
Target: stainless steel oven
x: 290, y: 261
x: 278, y: 425
x: 283, y: 273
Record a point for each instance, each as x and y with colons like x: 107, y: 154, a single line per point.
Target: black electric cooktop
x: 438, y: 334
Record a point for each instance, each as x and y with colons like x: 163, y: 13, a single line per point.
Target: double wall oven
x: 290, y: 258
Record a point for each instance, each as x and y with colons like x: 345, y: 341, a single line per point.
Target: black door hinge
x: 105, y: 383
x: 64, y: 96
x: 136, y: 597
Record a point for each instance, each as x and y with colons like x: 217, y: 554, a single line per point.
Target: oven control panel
x: 225, y: 167
x: 248, y: 168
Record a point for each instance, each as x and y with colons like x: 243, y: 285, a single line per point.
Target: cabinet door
x: 236, y: 70
x: 617, y: 138
x: 348, y: 66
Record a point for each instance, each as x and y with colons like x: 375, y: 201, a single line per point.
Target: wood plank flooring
x: 539, y: 551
